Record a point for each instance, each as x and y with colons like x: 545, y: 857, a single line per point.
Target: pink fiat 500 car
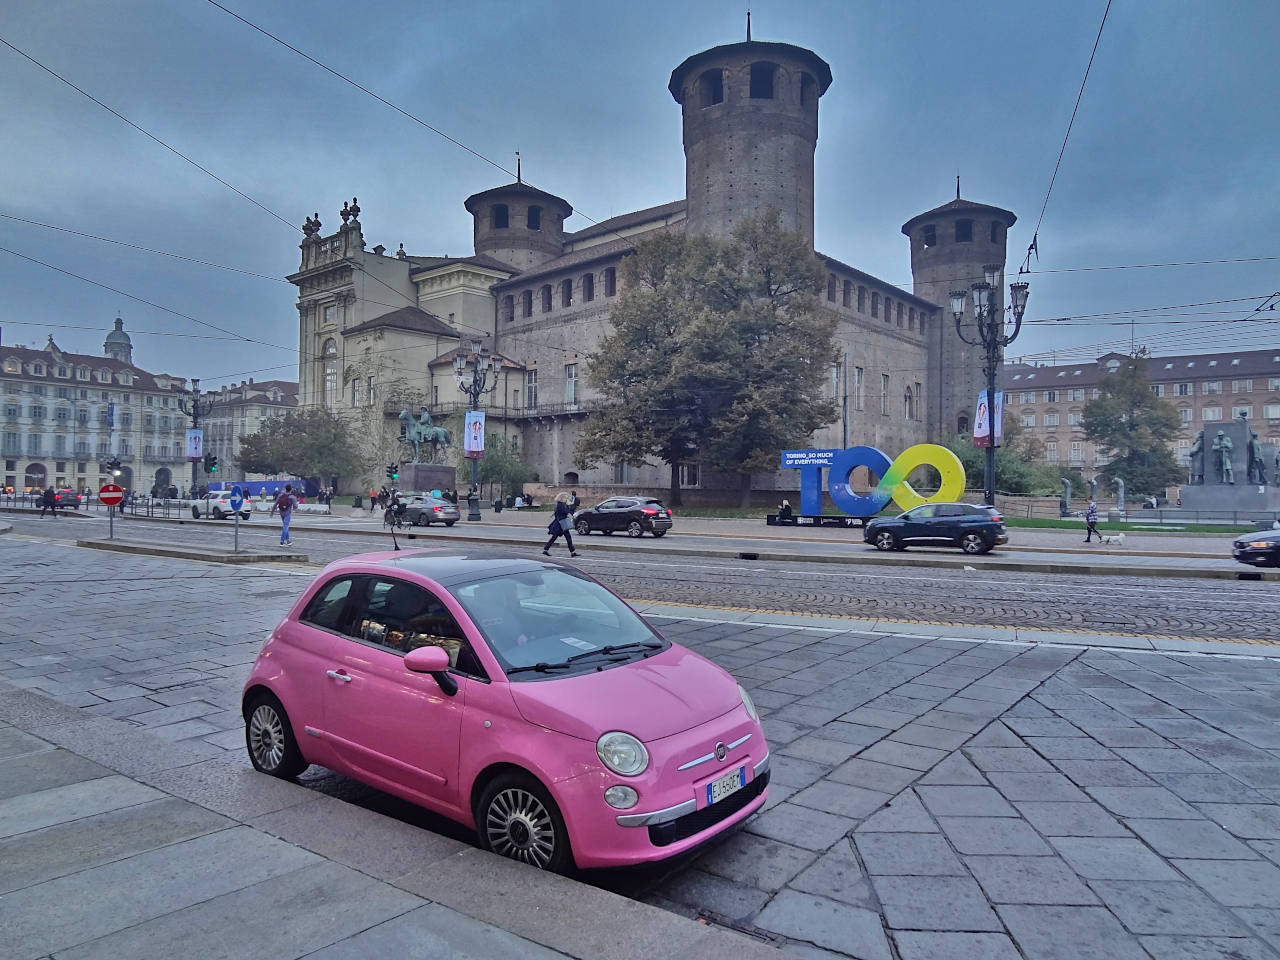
x: 519, y: 697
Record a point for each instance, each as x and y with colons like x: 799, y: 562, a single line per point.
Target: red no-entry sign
x: 111, y: 494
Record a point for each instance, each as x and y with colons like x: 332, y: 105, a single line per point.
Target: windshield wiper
x: 617, y: 648
x: 541, y: 667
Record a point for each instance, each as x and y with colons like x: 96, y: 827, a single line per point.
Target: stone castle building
x: 375, y: 328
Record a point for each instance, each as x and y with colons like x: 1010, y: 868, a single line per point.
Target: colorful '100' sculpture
x: 893, y: 477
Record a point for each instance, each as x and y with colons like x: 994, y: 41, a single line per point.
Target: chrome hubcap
x: 266, y: 737
x: 518, y: 826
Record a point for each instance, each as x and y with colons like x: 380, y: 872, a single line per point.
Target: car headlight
x: 622, y: 753
x: 620, y: 797
x: 1258, y: 544
x: 746, y: 702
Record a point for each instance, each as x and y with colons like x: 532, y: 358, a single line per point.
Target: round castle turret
x: 118, y: 346
x: 950, y: 247
x: 519, y: 224
x: 750, y: 128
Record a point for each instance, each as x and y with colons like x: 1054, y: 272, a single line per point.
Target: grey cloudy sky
x: 1172, y: 158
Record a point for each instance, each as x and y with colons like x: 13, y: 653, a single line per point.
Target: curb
x: 179, y: 553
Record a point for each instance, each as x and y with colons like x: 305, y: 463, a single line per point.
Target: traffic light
x: 393, y: 471
x: 213, y: 463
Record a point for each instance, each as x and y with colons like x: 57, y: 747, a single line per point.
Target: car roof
x: 444, y: 565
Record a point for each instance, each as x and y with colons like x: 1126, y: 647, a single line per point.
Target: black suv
x: 635, y: 515
x: 973, y: 528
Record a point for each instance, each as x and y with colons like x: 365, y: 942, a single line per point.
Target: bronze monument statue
x: 1196, y: 458
x: 421, y: 433
x: 1222, y: 446
x: 1256, y: 468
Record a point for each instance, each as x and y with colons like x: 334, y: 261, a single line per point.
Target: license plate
x: 722, y: 787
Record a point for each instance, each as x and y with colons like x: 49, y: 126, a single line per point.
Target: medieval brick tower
x: 950, y: 247
x: 750, y: 129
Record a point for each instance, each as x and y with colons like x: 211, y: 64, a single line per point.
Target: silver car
x: 422, y: 510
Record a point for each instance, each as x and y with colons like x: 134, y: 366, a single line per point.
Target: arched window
x: 831, y: 287
x: 566, y: 293
x: 546, y: 298
x: 535, y: 218
x: 588, y: 287
x: 909, y: 405
x: 508, y: 308
x: 808, y: 90
x: 330, y: 372
x: 847, y: 299
x: 526, y: 304
x: 762, y: 81
x: 711, y: 88
x: 500, y: 217
x: 610, y: 282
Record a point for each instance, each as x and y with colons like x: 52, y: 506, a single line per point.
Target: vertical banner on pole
x: 473, y: 441
x: 982, y: 422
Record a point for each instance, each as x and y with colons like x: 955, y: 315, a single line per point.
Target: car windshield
x: 553, y: 621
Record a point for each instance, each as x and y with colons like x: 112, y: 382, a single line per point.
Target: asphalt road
x: 1221, y: 609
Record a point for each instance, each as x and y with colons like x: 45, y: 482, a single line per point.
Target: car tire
x: 582, y: 527
x: 516, y: 818
x: 886, y: 541
x: 268, y: 737
x: 659, y: 533
x: 974, y: 543
x: 217, y: 513
x: 634, y: 529
x: 450, y: 523
x: 195, y: 512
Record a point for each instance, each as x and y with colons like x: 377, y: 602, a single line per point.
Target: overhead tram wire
x: 1035, y: 235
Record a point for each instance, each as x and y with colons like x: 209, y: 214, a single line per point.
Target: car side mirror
x: 435, y: 661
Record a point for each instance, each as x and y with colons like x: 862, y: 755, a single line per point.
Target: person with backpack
x: 561, y: 525
x: 285, y: 504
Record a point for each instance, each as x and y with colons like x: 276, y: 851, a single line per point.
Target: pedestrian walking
x: 574, y: 503
x: 1091, y: 521
x: 49, y: 501
x: 285, y: 504
x: 561, y: 523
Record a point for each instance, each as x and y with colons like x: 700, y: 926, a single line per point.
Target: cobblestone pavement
x: 932, y: 798
x: 1133, y: 605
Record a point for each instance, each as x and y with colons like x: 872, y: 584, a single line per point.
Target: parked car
x: 1258, y: 549
x: 972, y: 527
x: 422, y: 510
x: 518, y: 697
x: 634, y: 515
x: 218, y: 506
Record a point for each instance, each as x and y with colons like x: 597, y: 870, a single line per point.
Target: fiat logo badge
x: 721, y: 751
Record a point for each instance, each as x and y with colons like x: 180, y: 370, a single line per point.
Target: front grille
x: 673, y: 831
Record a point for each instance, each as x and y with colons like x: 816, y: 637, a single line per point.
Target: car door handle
x: 337, y: 676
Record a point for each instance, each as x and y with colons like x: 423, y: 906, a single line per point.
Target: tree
x: 310, y: 443
x: 376, y: 442
x: 1134, y: 427
x: 501, y: 464
x: 718, y: 351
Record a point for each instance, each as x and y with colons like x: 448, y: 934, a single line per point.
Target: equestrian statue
x: 423, y: 433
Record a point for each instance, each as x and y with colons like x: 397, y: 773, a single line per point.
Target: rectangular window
x: 1271, y: 411
x: 435, y: 394
x: 1075, y: 394
x: 1028, y: 397
x: 1028, y: 419
x: 148, y: 421
x: 1077, y: 451
x: 570, y: 383
x: 1051, y: 451
x: 1273, y: 385
x: 1158, y: 389
x: 1095, y: 393
x: 884, y: 394
x: 531, y: 390
x: 1050, y: 419
x: 875, y: 304
x: 688, y: 474
x: 1211, y: 388
x: 369, y: 394
x: 1185, y: 414
x: 1210, y: 414
x: 330, y: 314
x: 1051, y: 396
x: 355, y: 386
x: 1075, y: 419
x: 862, y: 299
x: 1242, y: 386
x: 610, y: 281
x: 930, y: 236
x: 1184, y: 389
x: 857, y: 388
x: 964, y: 231
x: 151, y: 401
x: 1241, y: 411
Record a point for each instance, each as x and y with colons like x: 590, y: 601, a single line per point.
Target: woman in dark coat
x: 561, y: 523
x: 49, y: 501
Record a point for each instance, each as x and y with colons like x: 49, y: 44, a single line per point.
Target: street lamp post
x: 474, y: 382
x: 993, y: 336
x: 195, y: 407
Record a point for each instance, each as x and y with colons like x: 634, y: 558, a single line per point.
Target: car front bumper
x: 1257, y: 557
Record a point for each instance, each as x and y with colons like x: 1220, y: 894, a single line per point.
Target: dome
x: 118, y: 335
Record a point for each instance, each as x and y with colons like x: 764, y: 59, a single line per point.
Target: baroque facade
x: 377, y: 327
x: 238, y: 411
x: 66, y: 412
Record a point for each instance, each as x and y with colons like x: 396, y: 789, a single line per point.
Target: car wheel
x: 517, y: 818
x: 659, y: 533
x: 450, y: 523
x: 583, y: 528
x: 195, y: 513
x: 217, y: 513
x: 974, y: 543
x: 269, y: 737
x: 884, y: 540
x: 634, y: 529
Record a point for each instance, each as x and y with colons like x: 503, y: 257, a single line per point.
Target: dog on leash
x: 1112, y: 539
